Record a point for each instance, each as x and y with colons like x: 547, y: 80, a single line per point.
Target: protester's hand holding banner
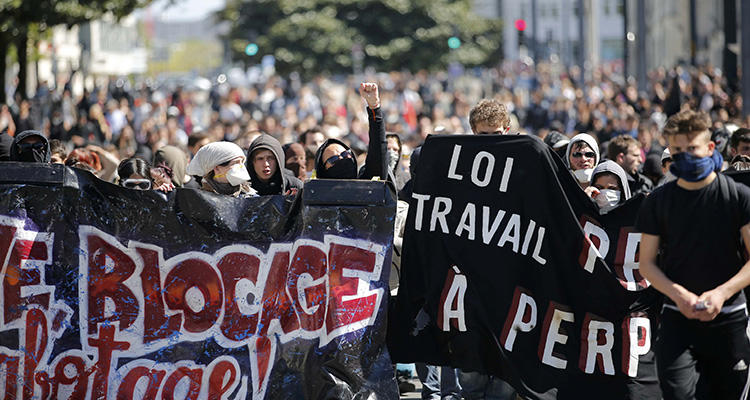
x: 504, y: 272
x: 119, y: 294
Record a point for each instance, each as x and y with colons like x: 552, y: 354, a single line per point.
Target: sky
x: 184, y: 10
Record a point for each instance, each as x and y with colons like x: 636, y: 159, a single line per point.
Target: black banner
x: 120, y: 294
x: 508, y: 269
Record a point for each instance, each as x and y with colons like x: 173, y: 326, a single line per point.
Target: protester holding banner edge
x: 222, y: 167
x: 702, y: 347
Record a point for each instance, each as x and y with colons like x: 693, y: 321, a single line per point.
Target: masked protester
x: 582, y: 155
x: 266, y: 164
x: 30, y: 146
x: 296, y: 160
x: 222, y: 166
x: 335, y: 160
x: 395, y: 151
x: 135, y: 174
x: 693, y: 225
x: 176, y: 160
x: 610, y: 184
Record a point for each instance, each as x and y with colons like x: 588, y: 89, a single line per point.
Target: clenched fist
x: 369, y: 92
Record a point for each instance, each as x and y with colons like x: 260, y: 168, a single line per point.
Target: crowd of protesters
x: 111, y: 123
x: 269, y: 137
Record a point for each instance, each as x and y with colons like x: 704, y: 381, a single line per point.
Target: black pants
x: 703, y: 360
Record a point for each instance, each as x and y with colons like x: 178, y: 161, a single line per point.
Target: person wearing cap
x: 610, y: 186
x: 222, y: 168
x: 266, y: 163
x: 30, y: 146
x: 582, y: 156
x: 557, y: 142
x: 666, y: 161
x: 694, y: 225
x: 626, y: 151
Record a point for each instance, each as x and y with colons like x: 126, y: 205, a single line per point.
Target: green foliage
x: 18, y: 14
x: 311, y: 36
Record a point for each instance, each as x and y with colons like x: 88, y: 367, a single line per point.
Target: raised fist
x: 369, y: 92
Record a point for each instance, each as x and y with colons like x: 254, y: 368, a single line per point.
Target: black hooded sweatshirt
x: 282, y: 180
x: 43, y: 156
x: 5, y: 142
x: 375, y: 164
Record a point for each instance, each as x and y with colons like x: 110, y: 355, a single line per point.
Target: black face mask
x: 36, y: 152
x: 343, y: 168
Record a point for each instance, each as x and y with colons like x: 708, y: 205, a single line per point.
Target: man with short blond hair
x: 489, y: 117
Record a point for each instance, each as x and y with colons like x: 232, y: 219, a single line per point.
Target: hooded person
x: 222, y: 166
x: 30, y: 146
x: 176, y: 159
x: 581, y: 156
x: 395, y: 151
x: 5, y: 142
x: 266, y: 164
x: 335, y: 160
x: 611, y: 183
x: 296, y: 160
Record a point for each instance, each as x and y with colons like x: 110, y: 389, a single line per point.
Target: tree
x: 311, y: 36
x: 17, y: 17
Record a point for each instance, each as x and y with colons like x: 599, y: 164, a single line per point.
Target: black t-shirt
x: 699, y: 232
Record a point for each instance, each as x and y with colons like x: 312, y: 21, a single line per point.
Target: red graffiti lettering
x: 234, y: 267
x: 103, y: 284
x: 193, y: 376
x: 156, y: 325
x: 276, y: 303
x: 35, y: 345
x: 216, y: 386
x: 106, y: 345
x: 309, y: 300
x: 16, y: 277
x: 362, y: 304
x: 153, y: 378
x: 194, y: 273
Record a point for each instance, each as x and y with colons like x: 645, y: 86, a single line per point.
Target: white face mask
x: 392, y: 159
x: 583, y: 175
x: 607, y: 199
x: 237, y: 175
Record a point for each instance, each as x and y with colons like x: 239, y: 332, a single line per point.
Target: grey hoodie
x: 283, y: 179
x: 613, y: 167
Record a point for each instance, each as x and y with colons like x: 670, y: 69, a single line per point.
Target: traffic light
x: 454, y: 42
x: 520, y: 25
x: 251, y: 49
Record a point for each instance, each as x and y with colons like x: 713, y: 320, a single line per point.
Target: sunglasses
x: 23, y: 147
x: 588, y: 154
x: 344, y: 154
x: 137, y: 184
